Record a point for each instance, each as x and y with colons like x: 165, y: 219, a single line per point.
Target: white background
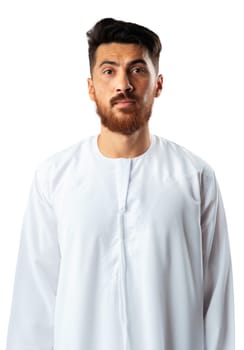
x: 45, y: 106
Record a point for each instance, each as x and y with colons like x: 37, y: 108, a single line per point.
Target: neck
x: 115, y: 145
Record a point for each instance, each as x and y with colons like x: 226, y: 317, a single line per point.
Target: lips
x: 124, y: 102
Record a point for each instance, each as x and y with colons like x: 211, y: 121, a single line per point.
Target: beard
x: 130, y: 118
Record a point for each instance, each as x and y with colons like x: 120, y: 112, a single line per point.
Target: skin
x: 123, y: 85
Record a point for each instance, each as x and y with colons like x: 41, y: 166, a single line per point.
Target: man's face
x: 124, y: 84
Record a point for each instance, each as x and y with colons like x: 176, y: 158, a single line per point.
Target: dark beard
x: 127, y: 125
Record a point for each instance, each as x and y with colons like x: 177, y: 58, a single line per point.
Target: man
x: 124, y: 243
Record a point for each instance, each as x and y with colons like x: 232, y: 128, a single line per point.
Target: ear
x: 159, y: 85
x: 91, y: 89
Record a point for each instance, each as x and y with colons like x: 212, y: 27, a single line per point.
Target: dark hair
x: 109, y: 30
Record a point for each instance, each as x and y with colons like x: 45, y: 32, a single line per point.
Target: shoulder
x: 51, y: 171
x: 181, y: 158
x: 65, y: 156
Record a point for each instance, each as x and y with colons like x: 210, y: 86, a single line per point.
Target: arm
x: 218, y: 303
x: 36, y: 276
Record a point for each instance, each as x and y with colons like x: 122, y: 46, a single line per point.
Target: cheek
x: 102, y: 96
x: 149, y: 95
x: 147, y: 88
x: 102, y: 89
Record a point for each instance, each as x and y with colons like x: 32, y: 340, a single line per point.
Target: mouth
x: 122, y: 103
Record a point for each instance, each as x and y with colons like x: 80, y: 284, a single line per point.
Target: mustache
x: 123, y: 96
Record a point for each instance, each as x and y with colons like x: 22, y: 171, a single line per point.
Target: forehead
x: 121, y: 53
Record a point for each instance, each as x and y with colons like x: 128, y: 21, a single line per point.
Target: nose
x: 123, y: 84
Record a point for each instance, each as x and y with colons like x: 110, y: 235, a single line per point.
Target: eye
x: 107, y: 71
x: 138, y: 70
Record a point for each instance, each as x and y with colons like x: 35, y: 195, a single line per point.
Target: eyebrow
x: 131, y: 63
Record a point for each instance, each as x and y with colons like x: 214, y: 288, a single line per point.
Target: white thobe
x: 123, y: 254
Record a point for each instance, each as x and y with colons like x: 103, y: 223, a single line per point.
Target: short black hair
x: 109, y: 30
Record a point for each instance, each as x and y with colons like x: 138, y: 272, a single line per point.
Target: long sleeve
x: 218, y: 305
x: 31, y: 321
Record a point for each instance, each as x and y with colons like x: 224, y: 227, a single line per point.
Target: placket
x: 123, y: 178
